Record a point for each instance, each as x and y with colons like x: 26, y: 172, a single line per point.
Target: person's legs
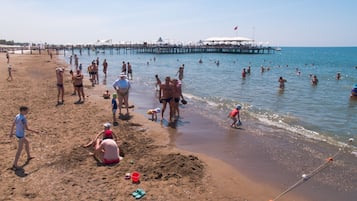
x: 120, y: 101
x: 234, y: 121
x: 62, y: 93
x: 19, y: 150
x: 74, y: 90
x: 79, y: 93
x: 27, y: 148
x: 126, y: 101
x: 172, y: 109
x: 58, y: 93
x: 82, y: 92
x: 163, y: 109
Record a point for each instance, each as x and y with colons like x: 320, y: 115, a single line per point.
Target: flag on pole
x: 236, y: 28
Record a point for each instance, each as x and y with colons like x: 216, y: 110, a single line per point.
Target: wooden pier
x: 146, y: 49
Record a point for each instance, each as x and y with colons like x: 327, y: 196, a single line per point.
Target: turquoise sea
x: 324, y: 112
x: 285, y: 133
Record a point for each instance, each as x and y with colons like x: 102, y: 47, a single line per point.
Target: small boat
x: 278, y: 49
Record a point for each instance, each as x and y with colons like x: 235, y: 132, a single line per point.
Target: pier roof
x: 228, y: 39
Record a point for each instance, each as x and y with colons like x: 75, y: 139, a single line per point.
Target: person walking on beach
x: 282, y: 82
x: 78, y: 83
x: 20, y: 122
x: 105, y: 67
x: 122, y: 86
x: 180, y: 72
x: 9, y: 69
x: 60, y: 87
x: 234, y: 115
x: 130, y: 72
x: 7, y: 57
x: 165, y: 97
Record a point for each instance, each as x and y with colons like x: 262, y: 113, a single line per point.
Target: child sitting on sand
x: 153, y: 113
x: 106, y: 133
x: 234, y: 115
x: 106, y: 95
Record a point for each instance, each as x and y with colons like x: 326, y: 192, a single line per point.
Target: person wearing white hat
x: 122, y: 86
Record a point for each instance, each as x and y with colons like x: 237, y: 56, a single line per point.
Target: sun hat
x: 114, y: 95
x: 107, y: 125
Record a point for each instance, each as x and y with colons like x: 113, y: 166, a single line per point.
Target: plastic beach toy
x: 139, y: 193
x: 135, y: 177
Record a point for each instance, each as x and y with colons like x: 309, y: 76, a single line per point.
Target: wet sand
x: 269, y: 156
x: 64, y: 170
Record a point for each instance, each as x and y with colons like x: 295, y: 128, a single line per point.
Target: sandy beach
x: 63, y: 170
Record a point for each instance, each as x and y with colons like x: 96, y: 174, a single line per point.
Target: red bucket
x: 135, y: 177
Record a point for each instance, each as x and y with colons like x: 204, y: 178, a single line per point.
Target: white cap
x: 107, y: 125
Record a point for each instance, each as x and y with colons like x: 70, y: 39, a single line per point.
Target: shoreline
x: 63, y: 170
x: 220, y: 181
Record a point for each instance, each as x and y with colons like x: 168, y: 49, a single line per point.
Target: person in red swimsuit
x: 234, y: 115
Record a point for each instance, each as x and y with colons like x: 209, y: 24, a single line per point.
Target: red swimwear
x: 112, y: 161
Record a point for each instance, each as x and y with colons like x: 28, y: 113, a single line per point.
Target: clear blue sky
x: 279, y: 22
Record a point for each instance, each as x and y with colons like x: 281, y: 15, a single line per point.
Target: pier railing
x: 145, y: 48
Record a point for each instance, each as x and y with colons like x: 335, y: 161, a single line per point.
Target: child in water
x: 234, y: 115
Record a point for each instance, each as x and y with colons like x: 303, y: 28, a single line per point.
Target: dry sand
x: 63, y: 170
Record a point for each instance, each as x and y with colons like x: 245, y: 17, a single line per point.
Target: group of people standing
x: 170, y: 93
x: 127, y: 70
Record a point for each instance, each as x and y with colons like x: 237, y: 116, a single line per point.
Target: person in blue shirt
x: 20, y: 122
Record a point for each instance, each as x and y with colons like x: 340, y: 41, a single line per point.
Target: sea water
x: 215, y: 86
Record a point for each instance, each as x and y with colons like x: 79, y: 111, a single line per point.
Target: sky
x: 274, y: 22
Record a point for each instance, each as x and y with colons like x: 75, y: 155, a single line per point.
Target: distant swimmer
x: 244, y: 73
x: 338, y: 76
x: 200, y: 61
x: 314, y: 80
x: 282, y: 82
